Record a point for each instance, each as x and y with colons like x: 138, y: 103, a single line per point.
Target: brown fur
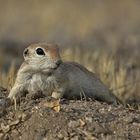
x: 63, y: 79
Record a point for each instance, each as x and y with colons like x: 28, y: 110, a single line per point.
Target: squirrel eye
x: 40, y: 51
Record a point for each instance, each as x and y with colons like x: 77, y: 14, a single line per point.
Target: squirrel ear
x: 25, y: 53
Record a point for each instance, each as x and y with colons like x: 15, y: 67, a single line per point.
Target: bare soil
x: 36, y: 119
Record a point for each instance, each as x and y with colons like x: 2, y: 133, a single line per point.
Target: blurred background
x: 102, y: 35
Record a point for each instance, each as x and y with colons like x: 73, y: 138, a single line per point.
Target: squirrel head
x: 42, y: 57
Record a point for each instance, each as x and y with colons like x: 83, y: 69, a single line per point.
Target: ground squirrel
x: 43, y: 70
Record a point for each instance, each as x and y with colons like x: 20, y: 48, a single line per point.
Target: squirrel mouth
x: 58, y: 63
x: 52, y: 69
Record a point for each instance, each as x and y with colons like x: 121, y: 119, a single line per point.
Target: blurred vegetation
x: 104, y: 36
x: 66, y: 21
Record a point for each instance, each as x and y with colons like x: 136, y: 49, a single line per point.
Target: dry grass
x: 64, y: 21
x: 7, y: 79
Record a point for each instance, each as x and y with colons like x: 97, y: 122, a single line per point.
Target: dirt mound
x: 43, y: 119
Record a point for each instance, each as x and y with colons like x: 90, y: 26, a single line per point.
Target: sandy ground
x: 48, y: 119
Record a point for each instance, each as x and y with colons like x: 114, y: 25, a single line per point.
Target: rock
x: 5, y: 128
x: 14, y: 133
x: 1, y: 136
x: 73, y: 124
x: 5, y: 102
x: 2, y: 111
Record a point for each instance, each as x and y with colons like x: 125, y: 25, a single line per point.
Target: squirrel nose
x: 58, y: 62
x: 26, y: 52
